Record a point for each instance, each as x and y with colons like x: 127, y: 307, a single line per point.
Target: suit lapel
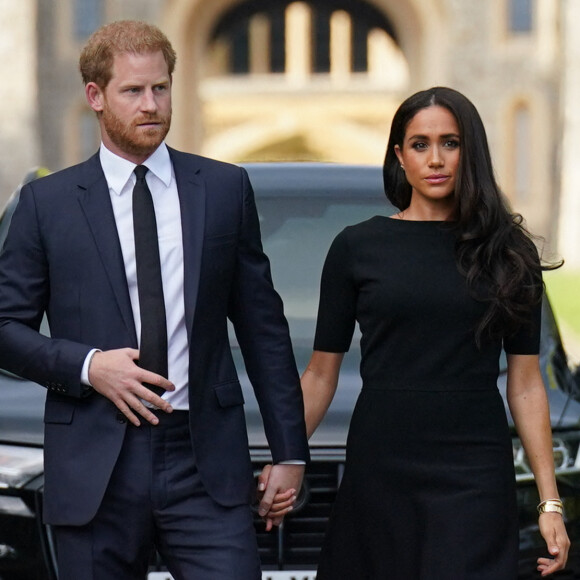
x: 192, y: 199
x: 96, y: 204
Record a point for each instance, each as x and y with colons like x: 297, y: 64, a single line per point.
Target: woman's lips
x: 437, y: 178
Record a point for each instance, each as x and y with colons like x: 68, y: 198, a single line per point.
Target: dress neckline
x: 418, y: 221
x: 419, y: 225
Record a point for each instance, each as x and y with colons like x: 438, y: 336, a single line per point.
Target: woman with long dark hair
x: 437, y: 289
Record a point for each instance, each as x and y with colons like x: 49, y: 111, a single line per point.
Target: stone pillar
x: 298, y: 42
x: 259, y: 44
x: 340, y: 47
x: 18, y: 93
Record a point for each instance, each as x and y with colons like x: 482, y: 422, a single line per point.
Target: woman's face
x: 429, y: 155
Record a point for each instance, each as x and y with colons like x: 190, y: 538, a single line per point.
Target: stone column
x: 340, y: 47
x: 259, y: 44
x: 298, y: 42
x: 19, y: 148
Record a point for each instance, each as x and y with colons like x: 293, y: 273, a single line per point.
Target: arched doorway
x: 280, y: 79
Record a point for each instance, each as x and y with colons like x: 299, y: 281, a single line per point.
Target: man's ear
x: 95, y: 96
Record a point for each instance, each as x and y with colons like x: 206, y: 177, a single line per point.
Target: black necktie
x: 153, y: 346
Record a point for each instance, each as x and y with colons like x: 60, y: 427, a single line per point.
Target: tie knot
x: 140, y: 172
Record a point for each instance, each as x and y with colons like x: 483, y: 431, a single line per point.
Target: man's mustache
x: 151, y: 119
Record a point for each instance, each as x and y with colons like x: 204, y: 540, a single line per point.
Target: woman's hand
x: 554, y: 533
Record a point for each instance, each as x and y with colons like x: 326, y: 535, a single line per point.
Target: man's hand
x: 279, y: 485
x: 115, y: 375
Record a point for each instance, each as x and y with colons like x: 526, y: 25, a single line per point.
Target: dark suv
x: 302, y: 207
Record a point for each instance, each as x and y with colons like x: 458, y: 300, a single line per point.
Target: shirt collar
x: 118, y: 171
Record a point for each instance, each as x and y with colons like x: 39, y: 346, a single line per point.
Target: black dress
x: 428, y: 492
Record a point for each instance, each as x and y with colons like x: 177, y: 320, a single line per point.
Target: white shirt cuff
x: 85, y: 369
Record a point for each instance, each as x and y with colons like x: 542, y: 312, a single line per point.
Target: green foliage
x: 563, y: 287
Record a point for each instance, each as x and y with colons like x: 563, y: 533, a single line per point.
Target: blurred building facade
x: 318, y: 80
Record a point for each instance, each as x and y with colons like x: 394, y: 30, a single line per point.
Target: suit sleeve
x: 24, y: 299
x: 261, y: 328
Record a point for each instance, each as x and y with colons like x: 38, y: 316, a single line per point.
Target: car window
x: 296, y: 233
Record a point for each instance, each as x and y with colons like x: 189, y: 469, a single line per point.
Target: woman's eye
x: 419, y: 145
x: 452, y: 144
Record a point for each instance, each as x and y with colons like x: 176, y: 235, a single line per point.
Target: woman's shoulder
x: 388, y: 225
x: 357, y: 235
x: 368, y: 226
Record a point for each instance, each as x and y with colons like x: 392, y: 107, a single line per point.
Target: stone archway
x: 423, y: 35
x: 190, y: 23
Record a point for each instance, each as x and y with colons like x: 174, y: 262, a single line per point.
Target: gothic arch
x: 189, y: 24
x: 532, y: 149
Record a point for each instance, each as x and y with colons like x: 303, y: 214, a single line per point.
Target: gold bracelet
x: 551, y: 505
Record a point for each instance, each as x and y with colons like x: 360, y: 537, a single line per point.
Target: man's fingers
x: 116, y: 375
x: 156, y: 380
x: 146, y: 413
x: 283, y: 477
x: 126, y: 411
x: 145, y: 394
x: 271, y: 522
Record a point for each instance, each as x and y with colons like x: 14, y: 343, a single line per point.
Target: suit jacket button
x: 121, y: 418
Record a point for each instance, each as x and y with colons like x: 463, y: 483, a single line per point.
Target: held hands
x: 278, y: 487
x: 554, y: 533
x: 115, y: 375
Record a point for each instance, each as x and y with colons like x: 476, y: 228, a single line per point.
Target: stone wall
x: 19, y: 149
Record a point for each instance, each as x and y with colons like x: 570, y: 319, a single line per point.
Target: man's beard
x: 130, y: 138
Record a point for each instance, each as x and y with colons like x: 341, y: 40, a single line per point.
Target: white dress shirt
x: 120, y: 177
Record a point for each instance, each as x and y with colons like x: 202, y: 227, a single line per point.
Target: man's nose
x: 148, y: 102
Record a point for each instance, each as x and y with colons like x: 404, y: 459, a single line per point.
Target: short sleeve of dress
x: 527, y: 339
x: 338, y: 295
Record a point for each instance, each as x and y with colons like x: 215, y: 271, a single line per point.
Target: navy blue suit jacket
x: 62, y: 256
